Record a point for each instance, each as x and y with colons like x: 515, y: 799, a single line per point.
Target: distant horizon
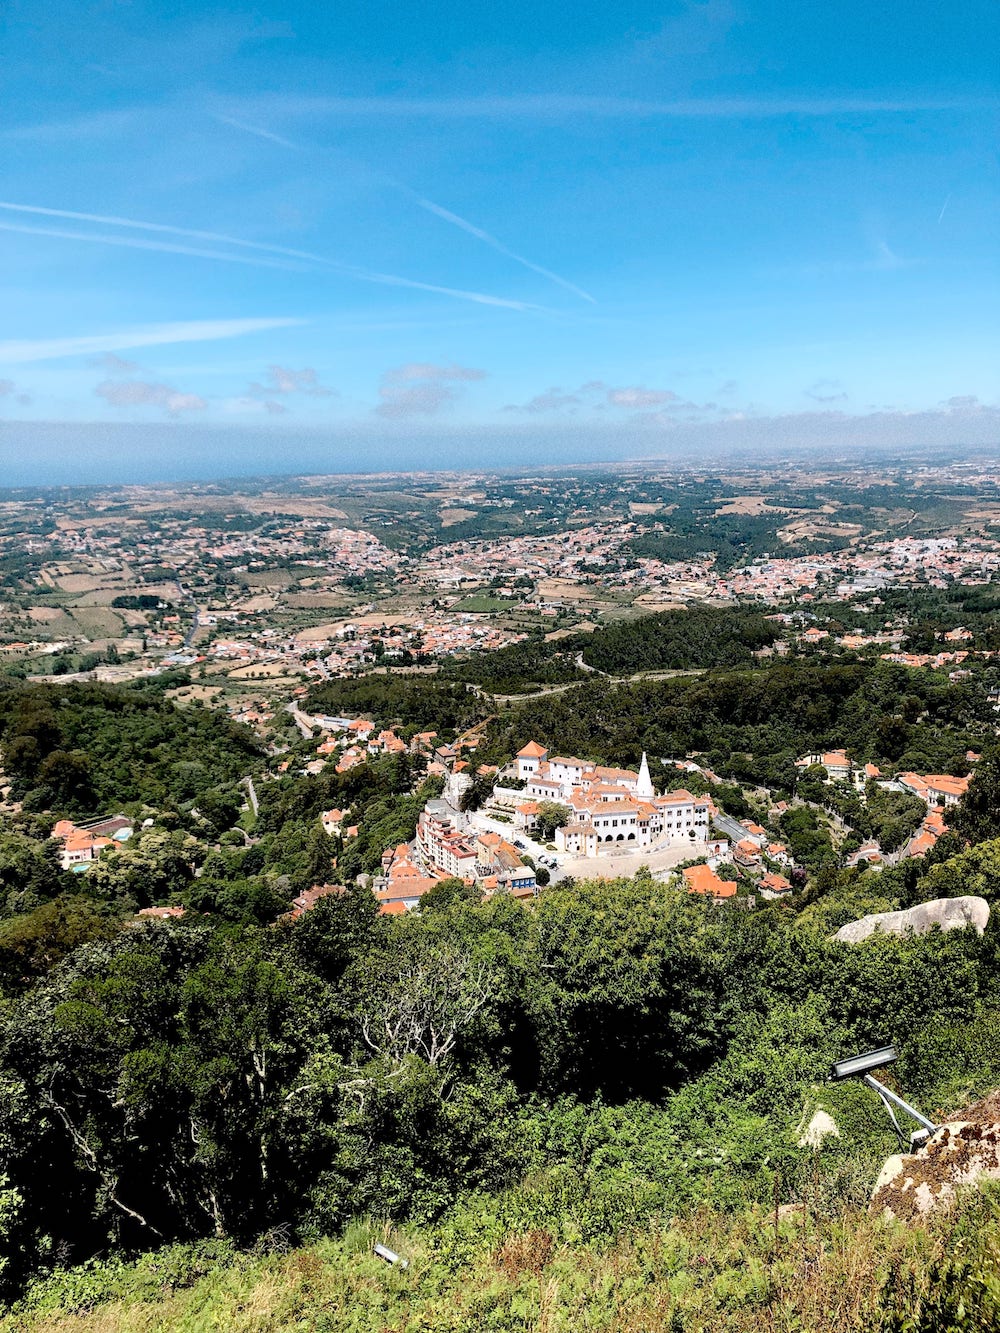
x: 49, y: 454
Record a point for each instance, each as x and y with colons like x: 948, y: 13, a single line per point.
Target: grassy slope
x: 711, y: 1271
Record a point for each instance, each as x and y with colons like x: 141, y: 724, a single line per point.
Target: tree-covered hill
x: 417, y: 702
x: 519, y: 1091
x: 80, y: 748
x: 695, y: 638
x: 698, y: 637
x: 754, y: 723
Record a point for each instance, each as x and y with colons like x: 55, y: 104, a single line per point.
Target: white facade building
x: 611, y: 808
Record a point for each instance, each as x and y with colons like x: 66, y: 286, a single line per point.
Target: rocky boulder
x: 957, y: 1154
x: 946, y: 913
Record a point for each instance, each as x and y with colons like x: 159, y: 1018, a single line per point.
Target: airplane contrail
x: 260, y: 259
x: 445, y: 214
x: 456, y: 221
x: 943, y: 207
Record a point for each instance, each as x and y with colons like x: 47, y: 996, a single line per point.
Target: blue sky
x: 514, y: 226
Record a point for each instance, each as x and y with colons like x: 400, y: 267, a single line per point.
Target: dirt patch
x: 983, y: 1112
x: 270, y: 578
x: 449, y: 517
x: 325, y: 601
x: 79, y: 583
x: 263, y: 601
x: 584, y: 627
x: 302, y: 508
x: 805, y: 529
x: 188, y: 693
x: 263, y: 671
x: 751, y: 505
x: 651, y: 601
x: 565, y: 590
x: 97, y: 622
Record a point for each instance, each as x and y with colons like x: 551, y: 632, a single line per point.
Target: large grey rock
x: 948, y: 913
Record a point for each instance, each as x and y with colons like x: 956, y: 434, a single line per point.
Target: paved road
x: 195, y: 612
x: 532, y: 847
x: 576, y: 684
x: 302, y: 721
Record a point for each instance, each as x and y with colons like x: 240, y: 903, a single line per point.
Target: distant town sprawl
x: 324, y: 577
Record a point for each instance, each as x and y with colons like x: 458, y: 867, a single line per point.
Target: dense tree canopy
x: 84, y: 747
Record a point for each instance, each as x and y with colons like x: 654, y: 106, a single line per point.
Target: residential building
x: 703, y: 880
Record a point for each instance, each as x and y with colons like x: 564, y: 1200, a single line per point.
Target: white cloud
x: 421, y: 388
x: 256, y: 405
x: 827, y: 391
x: 637, y: 395
x: 417, y: 400
x: 137, y: 393
x: 282, y: 379
x: 552, y: 400
x: 8, y: 389
x: 427, y: 370
x: 115, y: 365
x: 156, y: 335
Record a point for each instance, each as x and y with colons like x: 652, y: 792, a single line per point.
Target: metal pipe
x: 886, y: 1093
x: 390, y: 1256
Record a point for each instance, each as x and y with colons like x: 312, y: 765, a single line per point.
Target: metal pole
x: 886, y: 1094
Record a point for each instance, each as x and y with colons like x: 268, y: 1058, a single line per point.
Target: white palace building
x: 612, y: 809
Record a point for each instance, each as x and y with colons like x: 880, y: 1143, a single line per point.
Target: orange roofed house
x: 404, y: 882
x: 934, y: 788
x: 83, y: 843
x: 702, y: 879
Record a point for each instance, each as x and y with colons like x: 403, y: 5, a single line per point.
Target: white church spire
x: 644, y: 787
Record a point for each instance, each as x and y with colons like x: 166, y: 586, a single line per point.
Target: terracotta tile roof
x: 703, y: 879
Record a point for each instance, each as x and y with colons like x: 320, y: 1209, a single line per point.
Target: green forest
x: 79, y: 747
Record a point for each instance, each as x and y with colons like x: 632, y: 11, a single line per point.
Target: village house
x: 403, y: 882
x: 934, y: 788
x: 84, y: 842
x: 500, y: 867
x: 703, y: 880
x: 440, y: 843
x: 839, y: 768
x: 746, y: 854
x: 932, y: 827
x: 773, y: 885
x: 868, y: 854
x: 308, y: 899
